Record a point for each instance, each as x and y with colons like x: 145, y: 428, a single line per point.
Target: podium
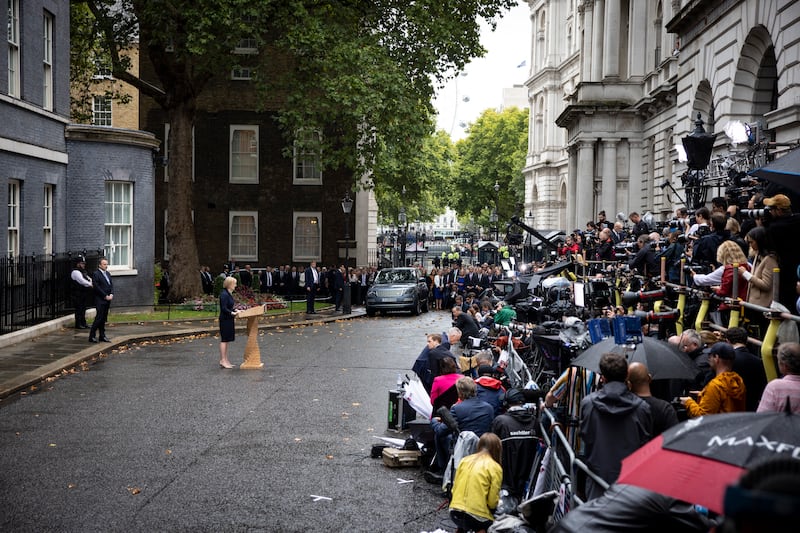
x: 252, y: 355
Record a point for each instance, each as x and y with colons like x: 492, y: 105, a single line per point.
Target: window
x: 47, y: 223
x: 307, y: 158
x: 242, y: 73
x: 244, y: 154
x: 307, y: 233
x: 13, y: 218
x: 101, y: 111
x: 119, y: 224
x: 243, y: 235
x: 47, y: 59
x: 13, y: 49
x: 248, y: 45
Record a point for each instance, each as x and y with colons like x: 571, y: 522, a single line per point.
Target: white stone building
x: 615, y: 84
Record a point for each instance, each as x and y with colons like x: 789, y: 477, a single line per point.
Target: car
x: 398, y: 289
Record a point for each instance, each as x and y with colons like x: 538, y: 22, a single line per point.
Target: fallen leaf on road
x: 71, y: 485
x: 298, y: 439
x: 356, y: 404
x: 329, y: 456
x: 134, y: 490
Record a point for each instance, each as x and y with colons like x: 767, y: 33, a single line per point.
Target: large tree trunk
x: 183, y: 259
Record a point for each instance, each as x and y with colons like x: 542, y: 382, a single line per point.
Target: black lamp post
x: 401, y: 218
x: 347, y: 207
x: 698, y: 146
x: 496, y: 205
x: 493, y: 220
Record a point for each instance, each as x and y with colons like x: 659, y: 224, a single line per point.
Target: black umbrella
x: 783, y: 171
x: 663, y: 360
x: 696, y: 460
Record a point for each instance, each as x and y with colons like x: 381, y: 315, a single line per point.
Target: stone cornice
x: 104, y: 134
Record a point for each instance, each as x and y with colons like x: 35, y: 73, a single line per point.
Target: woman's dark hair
x: 759, y: 236
x: 447, y: 366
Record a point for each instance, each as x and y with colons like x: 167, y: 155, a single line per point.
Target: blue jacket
x: 471, y: 414
x: 226, y: 304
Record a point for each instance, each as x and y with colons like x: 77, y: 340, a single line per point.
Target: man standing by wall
x: 103, y: 294
x: 81, y: 288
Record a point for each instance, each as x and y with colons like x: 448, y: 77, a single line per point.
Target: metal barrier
x: 564, y: 471
x: 35, y: 289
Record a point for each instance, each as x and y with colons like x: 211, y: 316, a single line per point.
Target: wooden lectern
x: 252, y: 355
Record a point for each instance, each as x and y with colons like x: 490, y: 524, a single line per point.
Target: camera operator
x: 644, y: 262
x: 705, y: 249
x: 783, y: 227
x: 605, y: 247
x: 673, y: 252
x: 640, y: 227
x: 701, y: 217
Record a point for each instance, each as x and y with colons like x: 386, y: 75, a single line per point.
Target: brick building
x: 67, y: 188
x: 251, y: 203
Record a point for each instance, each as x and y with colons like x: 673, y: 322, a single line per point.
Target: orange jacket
x: 723, y: 394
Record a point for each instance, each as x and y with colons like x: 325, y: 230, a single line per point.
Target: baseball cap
x: 723, y: 350
x: 781, y: 201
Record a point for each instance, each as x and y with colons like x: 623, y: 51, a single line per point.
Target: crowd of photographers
x: 762, y: 229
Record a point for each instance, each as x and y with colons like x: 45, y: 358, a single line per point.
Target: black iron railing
x: 35, y: 289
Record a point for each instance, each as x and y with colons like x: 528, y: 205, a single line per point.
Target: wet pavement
x: 149, y: 434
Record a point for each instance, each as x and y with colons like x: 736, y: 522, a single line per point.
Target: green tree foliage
x: 87, y: 55
x: 494, y: 152
x: 364, y: 71
x: 426, y: 176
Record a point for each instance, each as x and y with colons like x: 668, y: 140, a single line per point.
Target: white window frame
x: 238, y: 254
x: 118, y: 224
x: 14, y: 54
x: 101, y: 116
x: 302, y: 253
x: 303, y: 158
x: 13, y: 232
x: 242, y: 74
x: 254, y: 152
x: 246, y: 46
x: 47, y: 60
x: 47, y: 222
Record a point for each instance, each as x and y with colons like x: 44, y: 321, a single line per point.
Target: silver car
x: 398, y: 289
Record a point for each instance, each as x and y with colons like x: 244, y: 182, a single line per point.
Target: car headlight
x: 410, y: 291
x: 372, y: 292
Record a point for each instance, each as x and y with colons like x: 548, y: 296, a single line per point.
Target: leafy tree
x: 426, y: 177
x: 86, y: 55
x: 494, y: 152
x: 364, y: 71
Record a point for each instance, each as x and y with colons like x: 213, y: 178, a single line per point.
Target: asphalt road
x: 157, y: 437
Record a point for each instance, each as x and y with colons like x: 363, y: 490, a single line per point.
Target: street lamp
x: 401, y: 218
x: 493, y: 220
x: 496, y: 205
x: 347, y: 207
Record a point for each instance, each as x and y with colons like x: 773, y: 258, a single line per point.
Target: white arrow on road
x: 400, y: 481
x: 318, y: 498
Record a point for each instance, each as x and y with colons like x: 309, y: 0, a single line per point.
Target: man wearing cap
x: 81, y: 288
x: 782, y: 230
x: 725, y: 393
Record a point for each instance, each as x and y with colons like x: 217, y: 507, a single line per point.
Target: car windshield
x: 395, y: 276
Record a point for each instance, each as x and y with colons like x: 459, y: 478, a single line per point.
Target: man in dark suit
x: 281, y: 278
x: 207, y: 280
x: 338, y: 286
x: 293, y: 286
x: 103, y: 294
x: 312, y: 284
x: 267, y: 281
